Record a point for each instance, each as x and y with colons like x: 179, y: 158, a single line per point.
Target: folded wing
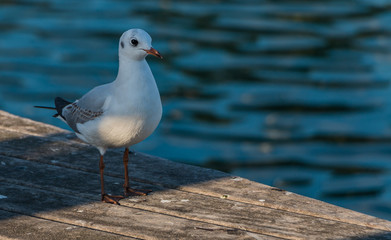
x: 89, y: 107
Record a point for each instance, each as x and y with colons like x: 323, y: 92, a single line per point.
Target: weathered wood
x: 49, y: 177
x: 175, y: 203
x: 243, y: 190
x: 98, y: 216
x: 26, y: 227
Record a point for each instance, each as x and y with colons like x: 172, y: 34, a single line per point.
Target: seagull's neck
x: 131, y: 71
x: 134, y: 84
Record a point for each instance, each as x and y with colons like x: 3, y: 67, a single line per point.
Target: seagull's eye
x: 134, y: 42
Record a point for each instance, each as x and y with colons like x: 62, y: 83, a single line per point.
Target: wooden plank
x: 192, y: 206
x: 18, y: 226
x: 243, y: 190
x: 248, y: 217
x: 24, y: 125
x: 121, y: 220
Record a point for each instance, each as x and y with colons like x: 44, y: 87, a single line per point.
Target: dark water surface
x: 294, y: 94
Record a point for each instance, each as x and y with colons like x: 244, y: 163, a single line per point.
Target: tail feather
x: 44, y: 107
x: 60, y: 104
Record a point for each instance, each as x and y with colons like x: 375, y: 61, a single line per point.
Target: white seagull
x: 121, y: 113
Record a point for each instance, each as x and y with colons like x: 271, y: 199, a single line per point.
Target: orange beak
x: 154, y: 52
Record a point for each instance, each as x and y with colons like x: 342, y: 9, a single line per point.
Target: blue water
x: 294, y: 94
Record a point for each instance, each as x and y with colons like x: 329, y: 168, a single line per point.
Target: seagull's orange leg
x: 130, y: 191
x: 105, y: 197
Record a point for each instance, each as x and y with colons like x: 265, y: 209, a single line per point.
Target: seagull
x: 121, y: 113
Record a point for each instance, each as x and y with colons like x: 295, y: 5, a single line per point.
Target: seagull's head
x: 136, y: 44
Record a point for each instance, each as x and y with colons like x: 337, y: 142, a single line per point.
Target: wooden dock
x: 49, y: 189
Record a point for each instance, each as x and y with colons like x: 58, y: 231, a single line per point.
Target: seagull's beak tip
x: 154, y: 52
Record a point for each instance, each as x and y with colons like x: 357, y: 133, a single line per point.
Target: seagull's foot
x: 136, y: 192
x: 111, y: 199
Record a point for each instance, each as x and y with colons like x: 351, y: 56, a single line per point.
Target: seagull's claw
x: 136, y: 192
x: 111, y: 199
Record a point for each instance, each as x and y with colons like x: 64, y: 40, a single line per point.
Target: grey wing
x: 89, y: 107
x: 96, y: 98
x: 74, y: 114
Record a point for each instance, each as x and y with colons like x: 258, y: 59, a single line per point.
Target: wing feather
x: 74, y: 114
x: 87, y: 108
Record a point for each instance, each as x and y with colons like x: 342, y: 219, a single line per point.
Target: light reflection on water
x: 294, y: 94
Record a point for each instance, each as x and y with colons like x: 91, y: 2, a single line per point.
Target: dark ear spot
x: 122, y: 44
